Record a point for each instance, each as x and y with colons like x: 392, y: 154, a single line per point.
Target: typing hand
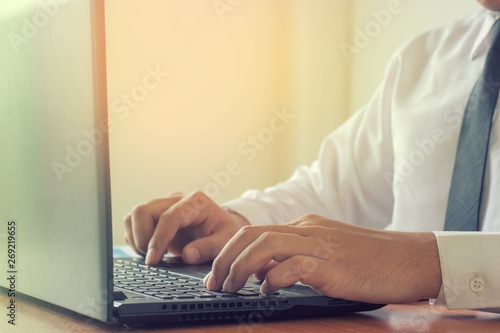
x: 334, y: 258
x: 191, y: 225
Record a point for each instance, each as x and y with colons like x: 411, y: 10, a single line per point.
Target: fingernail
x: 211, y: 283
x: 205, y: 279
x: 192, y: 255
x: 150, y: 256
x: 228, y: 284
x: 264, y: 288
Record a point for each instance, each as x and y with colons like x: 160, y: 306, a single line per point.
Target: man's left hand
x: 334, y: 258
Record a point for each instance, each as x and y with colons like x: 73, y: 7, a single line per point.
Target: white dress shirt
x: 390, y: 165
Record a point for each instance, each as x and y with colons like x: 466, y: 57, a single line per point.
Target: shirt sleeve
x: 350, y: 181
x: 470, y: 269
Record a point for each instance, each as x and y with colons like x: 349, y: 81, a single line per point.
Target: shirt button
x: 477, y: 284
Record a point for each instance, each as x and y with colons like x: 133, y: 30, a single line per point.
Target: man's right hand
x: 191, y: 225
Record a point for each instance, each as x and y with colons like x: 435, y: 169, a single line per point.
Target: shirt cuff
x: 470, y: 270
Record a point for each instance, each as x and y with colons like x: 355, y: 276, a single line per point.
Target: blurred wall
x: 250, y: 87
x: 246, y: 81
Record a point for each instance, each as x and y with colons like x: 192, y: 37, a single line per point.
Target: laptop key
x: 243, y: 292
x: 164, y: 284
x: 182, y: 295
x: 165, y: 296
x: 223, y: 294
x: 202, y: 294
x: 120, y: 284
x: 126, y: 287
x: 124, y: 281
x: 155, y: 288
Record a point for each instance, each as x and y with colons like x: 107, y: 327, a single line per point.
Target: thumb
x: 204, y: 249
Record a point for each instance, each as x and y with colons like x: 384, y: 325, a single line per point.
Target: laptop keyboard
x: 160, y: 283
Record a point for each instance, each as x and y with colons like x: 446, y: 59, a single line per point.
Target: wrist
x: 430, y: 268
x: 239, y: 220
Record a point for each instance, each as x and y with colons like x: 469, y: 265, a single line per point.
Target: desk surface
x: 34, y: 316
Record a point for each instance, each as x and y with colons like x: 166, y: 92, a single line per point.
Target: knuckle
x: 127, y: 220
x: 176, y: 195
x: 197, y: 195
x: 217, y: 265
x: 309, y: 217
x: 298, y: 262
x: 199, y: 199
x: 273, y: 279
x: 164, y: 215
x: 237, y: 268
x: 304, y: 220
x: 270, y: 239
x: 247, y: 230
x: 141, y: 245
x: 304, y: 266
x: 139, y: 211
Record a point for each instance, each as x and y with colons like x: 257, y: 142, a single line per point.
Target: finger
x: 130, y: 243
x: 192, y: 210
x: 143, y: 220
x: 269, y: 246
x: 243, y: 238
x: 205, y: 279
x: 261, y: 273
x: 129, y: 237
x: 308, y: 270
x: 205, y: 249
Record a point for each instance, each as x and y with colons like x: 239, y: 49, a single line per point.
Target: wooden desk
x: 38, y: 317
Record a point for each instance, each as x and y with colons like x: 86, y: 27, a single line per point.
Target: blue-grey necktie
x: 464, y: 201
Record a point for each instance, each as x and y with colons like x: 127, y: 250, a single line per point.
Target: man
x: 394, y: 165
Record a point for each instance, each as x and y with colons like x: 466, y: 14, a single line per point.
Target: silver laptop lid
x: 54, y: 183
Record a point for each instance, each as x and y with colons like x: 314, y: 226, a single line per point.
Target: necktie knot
x: 495, y: 36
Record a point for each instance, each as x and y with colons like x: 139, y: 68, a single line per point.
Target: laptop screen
x: 54, y: 187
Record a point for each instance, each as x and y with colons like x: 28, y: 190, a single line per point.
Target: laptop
x: 55, y: 187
